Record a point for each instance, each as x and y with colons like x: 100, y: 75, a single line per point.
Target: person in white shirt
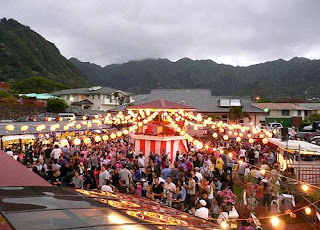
x: 224, y: 214
x: 141, y: 164
x: 198, y: 174
x: 202, y: 212
x: 103, y: 176
x: 56, y: 152
x: 107, y: 187
x: 171, y: 187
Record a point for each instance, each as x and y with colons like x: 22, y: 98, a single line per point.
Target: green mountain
x: 25, y: 54
x: 273, y: 79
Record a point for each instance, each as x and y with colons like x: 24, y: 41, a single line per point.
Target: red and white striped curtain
x: 157, y: 147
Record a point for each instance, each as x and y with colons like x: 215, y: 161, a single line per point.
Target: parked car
x: 66, y: 116
x: 275, y: 125
x: 46, y: 116
x: 307, y: 128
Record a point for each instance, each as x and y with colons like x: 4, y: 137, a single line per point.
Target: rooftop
x: 161, y: 104
x: 280, y: 106
x: 14, y: 174
x: 200, y: 99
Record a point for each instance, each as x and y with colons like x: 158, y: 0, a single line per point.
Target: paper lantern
x: 135, y: 127
x: 238, y: 139
x: 60, y: 119
x: 78, y: 126
x: 113, y: 135
x: 39, y: 128
x: 89, y: 125
x: 24, y: 128
x: 76, y: 141
x: 66, y: 127
x: 10, y: 128
x: 87, y: 140
x: 182, y: 133
x: 199, y: 145
x: 261, y: 135
x: 125, y: 132
x: 215, y: 135
x: 251, y: 141
x: 57, y: 126
x: 131, y: 129
x: 195, y: 128
x: 140, y: 124
x: 64, y: 142
x: 195, y: 142
x: 53, y: 128
x: 97, y: 139
x: 178, y: 129
x: 105, y: 137
x: 225, y: 137
x: 119, y: 134
x: 265, y: 141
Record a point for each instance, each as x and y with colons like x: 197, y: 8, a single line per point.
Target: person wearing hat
x: 202, y: 212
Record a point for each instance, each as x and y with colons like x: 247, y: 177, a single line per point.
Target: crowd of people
x: 195, y: 182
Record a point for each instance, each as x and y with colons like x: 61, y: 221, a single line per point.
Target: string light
x: 275, y: 221
x: 305, y: 187
x: 307, y: 210
x: 224, y: 225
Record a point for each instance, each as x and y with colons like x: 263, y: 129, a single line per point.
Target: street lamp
x: 266, y: 111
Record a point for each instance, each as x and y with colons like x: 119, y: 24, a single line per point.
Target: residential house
x: 95, y: 98
x: 288, y: 114
x: 315, y: 107
x: 204, y: 102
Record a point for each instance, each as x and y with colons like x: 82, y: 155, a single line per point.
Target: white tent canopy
x: 303, y: 146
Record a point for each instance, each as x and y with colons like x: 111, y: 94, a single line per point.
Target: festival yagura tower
x: 159, y: 136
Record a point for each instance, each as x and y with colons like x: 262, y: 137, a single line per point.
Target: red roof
x: 161, y: 104
x: 13, y: 174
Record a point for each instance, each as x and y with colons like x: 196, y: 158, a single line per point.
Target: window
x: 92, y: 96
x: 286, y: 112
x: 109, y: 97
x: 299, y: 113
x: 235, y: 102
x: 224, y: 103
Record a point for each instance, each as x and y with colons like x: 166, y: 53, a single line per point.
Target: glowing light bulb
x: 263, y: 171
x: 230, y: 155
x: 199, y: 145
x: 64, y: 142
x: 77, y: 141
x: 305, y: 187
x: 97, y: 139
x: 215, y: 135
x: 240, y: 162
x: 224, y: 225
x: 307, y: 210
x: 275, y: 221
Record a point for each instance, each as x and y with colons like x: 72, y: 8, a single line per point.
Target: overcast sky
x: 237, y: 32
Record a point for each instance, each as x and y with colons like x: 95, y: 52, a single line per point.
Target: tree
x: 56, y: 105
x: 236, y: 113
x: 37, y: 85
x: 120, y: 99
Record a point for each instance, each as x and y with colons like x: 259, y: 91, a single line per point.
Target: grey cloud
x: 238, y: 32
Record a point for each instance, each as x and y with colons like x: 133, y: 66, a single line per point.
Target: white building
x: 95, y: 98
x: 284, y: 113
